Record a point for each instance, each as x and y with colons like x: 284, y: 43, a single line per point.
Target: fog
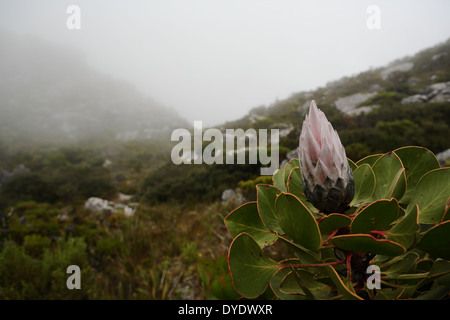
x: 215, y: 60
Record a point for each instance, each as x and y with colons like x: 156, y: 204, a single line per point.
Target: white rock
x: 417, y: 98
x: 99, y: 205
x: 349, y: 104
x: 403, y: 67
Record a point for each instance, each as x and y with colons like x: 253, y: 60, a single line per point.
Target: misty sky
x: 214, y: 60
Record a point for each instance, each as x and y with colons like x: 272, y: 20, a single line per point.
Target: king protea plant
x: 327, y: 178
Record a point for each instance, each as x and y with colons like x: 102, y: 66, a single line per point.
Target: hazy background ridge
x: 215, y: 60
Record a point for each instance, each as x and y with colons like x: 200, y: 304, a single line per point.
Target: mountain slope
x: 49, y: 93
x: 405, y: 102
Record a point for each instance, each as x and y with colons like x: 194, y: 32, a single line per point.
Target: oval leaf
x: 304, y: 283
x: 436, y: 241
x: 431, y: 196
x: 367, y: 244
x: 404, y: 231
x: 265, y: 198
x: 250, y: 269
x: 370, y: 160
x: 377, y: 216
x: 246, y: 219
x: 364, y: 183
x: 294, y: 182
x: 333, y: 222
x: 406, y: 263
x: 346, y: 292
x: 390, y: 177
x: 275, y: 284
x: 297, y: 221
x: 278, y: 179
x: 417, y: 161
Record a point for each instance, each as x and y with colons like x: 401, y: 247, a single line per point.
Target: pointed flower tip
x: 313, y: 107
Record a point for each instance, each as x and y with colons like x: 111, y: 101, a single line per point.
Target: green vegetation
x: 174, y: 244
x: 397, y: 220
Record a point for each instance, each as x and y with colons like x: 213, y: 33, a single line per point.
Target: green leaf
x: 417, y: 161
x: 265, y: 198
x: 406, y: 263
x: 287, y: 171
x: 250, y: 269
x: 436, y: 241
x: 376, y: 216
x: 389, y: 294
x: 294, y: 182
x: 278, y: 180
x: 333, y: 221
x: 275, y: 284
x: 436, y: 293
x: 297, y: 221
x: 352, y: 165
x: 364, y: 184
x: 431, y: 195
x: 347, y: 293
x: 370, y: 160
x: 441, y: 268
x: 246, y: 219
x: 304, y: 282
x: 294, y: 186
x: 305, y: 256
x: 440, y: 273
x: 404, y: 231
x: 367, y: 244
x: 389, y: 176
x: 294, y: 284
x: 294, y: 162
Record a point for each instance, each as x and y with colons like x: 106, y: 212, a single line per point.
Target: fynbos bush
x: 333, y: 221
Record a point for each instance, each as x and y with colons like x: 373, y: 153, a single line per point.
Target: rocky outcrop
x: 106, y: 206
x: 437, y: 92
x: 349, y: 104
x: 402, y: 67
x: 417, y: 98
x: 232, y: 197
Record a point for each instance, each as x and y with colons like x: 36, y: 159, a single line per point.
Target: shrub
x: 397, y: 223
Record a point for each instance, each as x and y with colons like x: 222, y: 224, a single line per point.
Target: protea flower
x: 326, y: 175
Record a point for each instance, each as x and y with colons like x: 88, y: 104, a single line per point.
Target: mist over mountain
x: 49, y: 93
x: 419, y: 79
x: 406, y: 102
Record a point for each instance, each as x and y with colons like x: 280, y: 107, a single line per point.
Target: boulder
x: 234, y: 197
x: 402, y: 67
x: 349, y: 104
x: 105, y: 206
x: 437, y: 92
x: 417, y: 98
x: 99, y: 205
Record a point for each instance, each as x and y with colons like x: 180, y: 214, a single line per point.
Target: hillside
x: 136, y: 224
x: 404, y: 103
x: 49, y: 94
x: 403, y: 90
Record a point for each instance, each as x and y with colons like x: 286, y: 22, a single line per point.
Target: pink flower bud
x: 326, y: 175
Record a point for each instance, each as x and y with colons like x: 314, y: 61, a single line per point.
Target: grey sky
x: 214, y: 60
